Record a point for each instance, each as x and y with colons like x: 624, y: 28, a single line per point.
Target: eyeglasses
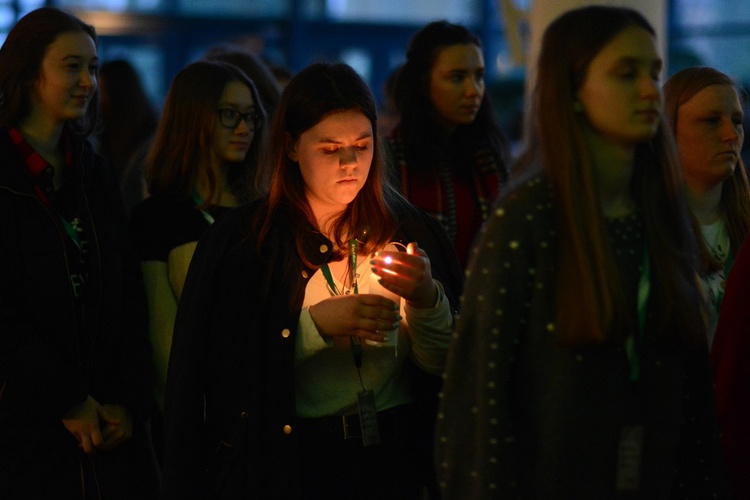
x: 230, y: 118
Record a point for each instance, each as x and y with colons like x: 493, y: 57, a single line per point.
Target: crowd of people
x: 264, y: 291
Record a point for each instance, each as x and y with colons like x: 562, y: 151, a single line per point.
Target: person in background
x: 448, y: 152
x: 303, y: 326
x: 269, y: 89
x: 705, y: 113
x: 388, y: 112
x: 281, y: 72
x: 579, y: 366
x: 75, y: 370
x: 201, y: 164
x: 128, y: 122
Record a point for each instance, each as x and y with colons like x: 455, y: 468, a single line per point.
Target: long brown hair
x: 598, y: 308
x: 311, y: 95
x: 21, y: 58
x: 183, y: 141
x: 735, y: 194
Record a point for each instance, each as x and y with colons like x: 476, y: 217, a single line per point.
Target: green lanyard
x: 644, y: 286
x: 356, y: 343
x: 332, y: 289
x: 199, y: 201
x: 72, y: 231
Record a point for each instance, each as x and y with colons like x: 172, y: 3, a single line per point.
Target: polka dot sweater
x: 522, y: 417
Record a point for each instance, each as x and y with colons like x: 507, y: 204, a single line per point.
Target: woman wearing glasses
x: 204, y: 153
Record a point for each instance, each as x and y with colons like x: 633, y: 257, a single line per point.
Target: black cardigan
x: 49, y: 361
x: 234, y: 344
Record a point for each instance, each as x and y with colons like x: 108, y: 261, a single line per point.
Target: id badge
x: 368, y: 418
x: 629, y: 457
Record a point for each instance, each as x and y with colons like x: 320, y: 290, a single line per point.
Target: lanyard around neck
x: 356, y: 344
x: 332, y: 288
x: 72, y: 230
x: 198, y: 202
x: 644, y: 286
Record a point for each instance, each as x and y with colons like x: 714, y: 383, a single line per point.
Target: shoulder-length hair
x: 184, y: 139
x: 598, y: 308
x: 310, y: 96
x: 735, y: 195
x: 425, y: 141
x: 21, y: 58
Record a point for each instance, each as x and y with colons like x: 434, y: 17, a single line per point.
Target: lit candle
x: 378, y: 289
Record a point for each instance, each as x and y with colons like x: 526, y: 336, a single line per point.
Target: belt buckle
x: 350, y: 433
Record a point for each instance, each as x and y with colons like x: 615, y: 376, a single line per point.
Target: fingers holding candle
x: 366, y: 316
x: 406, y: 274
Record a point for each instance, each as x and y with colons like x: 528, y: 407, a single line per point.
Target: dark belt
x: 348, y: 426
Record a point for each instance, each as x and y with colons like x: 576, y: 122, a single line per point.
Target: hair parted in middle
x: 310, y: 96
x: 183, y: 140
x: 586, y: 262
x: 735, y: 196
x: 423, y: 135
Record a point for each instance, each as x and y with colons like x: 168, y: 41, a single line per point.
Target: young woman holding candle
x: 277, y: 384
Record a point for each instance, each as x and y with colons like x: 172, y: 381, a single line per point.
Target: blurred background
x: 160, y: 36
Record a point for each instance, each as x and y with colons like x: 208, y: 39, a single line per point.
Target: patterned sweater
x: 523, y: 417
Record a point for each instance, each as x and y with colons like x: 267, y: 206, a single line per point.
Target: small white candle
x: 378, y: 289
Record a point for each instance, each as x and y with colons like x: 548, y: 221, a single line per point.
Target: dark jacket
x: 539, y: 420
x: 49, y: 359
x: 234, y: 344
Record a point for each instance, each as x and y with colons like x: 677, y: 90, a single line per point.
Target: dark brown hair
x: 425, y: 141
x: 310, y: 96
x: 21, y: 59
x: 254, y: 67
x: 183, y: 141
x: 128, y: 119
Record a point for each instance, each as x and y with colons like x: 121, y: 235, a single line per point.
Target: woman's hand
x: 117, y: 426
x: 408, y: 275
x: 363, y: 315
x: 98, y: 427
x: 82, y: 421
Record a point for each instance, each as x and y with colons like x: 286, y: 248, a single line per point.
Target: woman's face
x: 67, y: 78
x: 620, y: 95
x: 457, y: 84
x: 334, y: 158
x: 709, y: 135
x: 231, y: 144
